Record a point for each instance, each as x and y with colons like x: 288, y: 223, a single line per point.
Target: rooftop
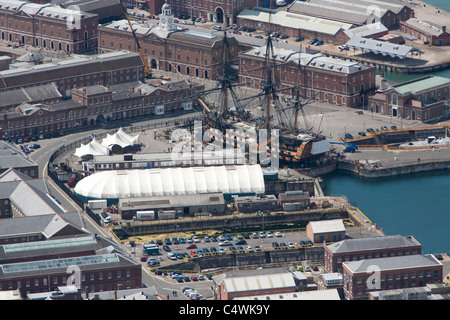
x: 393, y: 50
x: 421, y: 84
x: 294, y: 20
x: 392, y: 263
x: 372, y: 243
x: 324, y: 226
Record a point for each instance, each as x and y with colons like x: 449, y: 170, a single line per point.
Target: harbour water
x: 417, y: 204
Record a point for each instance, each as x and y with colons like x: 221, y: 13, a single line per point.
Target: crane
x: 147, y: 70
x: 185, y: 80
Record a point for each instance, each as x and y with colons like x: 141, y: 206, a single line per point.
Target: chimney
x: 413, y: 14
x: 444, y: 28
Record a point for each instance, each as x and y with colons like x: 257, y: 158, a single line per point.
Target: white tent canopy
x: 172, y: 181
x: 120, y: 138
x: 93, y: 148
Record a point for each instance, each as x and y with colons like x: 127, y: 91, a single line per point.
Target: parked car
x: 298, y: 39
x: 228, y: 237
x: 278, y: 234
x: 283, y: 36
x: 315, y: 268
x: 275, y: 245
x: 343, y: 47
x: 362, y: 134
x: 213, y: 250
x: 348, y: 136
x: 384, y: 128
x: 240, y: 242
x: 439, y: 257
x: 313, y: 41
x: 318, y: 43
x: 171, y: 256
x: 370, y: 130
x: 191, y: 246
x: 226, y: 243
x: 166, y: 248
x: 393, y: 127
x: 259, y: 37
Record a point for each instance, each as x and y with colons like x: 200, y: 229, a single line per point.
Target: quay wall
x: 268, y: 258
x: 401, y: 169
x: 237, y: 221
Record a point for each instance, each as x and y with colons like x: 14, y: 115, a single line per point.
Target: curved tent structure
x: 120, y: 138
x: 114, y: 185
x: 93, y: 148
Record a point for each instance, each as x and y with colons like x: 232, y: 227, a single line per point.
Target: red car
x: 191, y: 246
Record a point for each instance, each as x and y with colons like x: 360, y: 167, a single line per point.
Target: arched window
x: 394, y: 99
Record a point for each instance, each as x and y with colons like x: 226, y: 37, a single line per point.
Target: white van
x: 280, y: 3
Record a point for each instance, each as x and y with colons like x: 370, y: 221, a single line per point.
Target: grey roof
x: 58, y: 266
x: 29, y: 94
x: 426, y: 27
x: 172, y: 201
x: 35, y: 225
x: 366, y: 30
x: 30, y: 196
x: 352, y: 11
x: 379, y: 47
x: 149, y: 293
x: 392, y: 263
x: 372, y: 243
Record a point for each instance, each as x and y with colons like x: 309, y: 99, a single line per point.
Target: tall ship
x: 270, y: 126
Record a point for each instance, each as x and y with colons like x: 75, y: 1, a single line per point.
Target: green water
x: 417, y: 205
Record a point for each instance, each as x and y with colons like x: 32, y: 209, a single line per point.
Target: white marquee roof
x: 120, y: 138
x: 172, y: 181
x: 93, y: 148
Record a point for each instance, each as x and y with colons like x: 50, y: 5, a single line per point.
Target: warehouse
x: 114, y: 185
x: 355, y: 12
x: 169, y: 207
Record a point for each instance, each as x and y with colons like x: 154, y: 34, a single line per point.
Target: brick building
x: 41, y: 94
x: 221, y: 12
x: 47, y: 265
x: 294, y: 25
x: 12, y: 159
x: 368, y: 248
x: 105, y: 69
x: 170, y: 48
x: 47, y: 26
x: 419, y: 99
x: 98, y: 104
x: 355, y: 12
x: 429, y: 32
x: 321, y: 78
x: 22, y: 196
x: 362, y: 277
x: 325, y: 231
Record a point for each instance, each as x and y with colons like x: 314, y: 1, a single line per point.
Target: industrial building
x: 355, y: 12
x: 172, y: 207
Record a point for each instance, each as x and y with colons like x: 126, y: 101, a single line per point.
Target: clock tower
x: 166, y: 18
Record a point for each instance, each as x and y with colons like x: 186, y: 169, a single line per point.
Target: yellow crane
x: 185, y: 80
x: 147, y: 70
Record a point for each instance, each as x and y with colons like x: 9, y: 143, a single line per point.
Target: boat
x: 274, y: 132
